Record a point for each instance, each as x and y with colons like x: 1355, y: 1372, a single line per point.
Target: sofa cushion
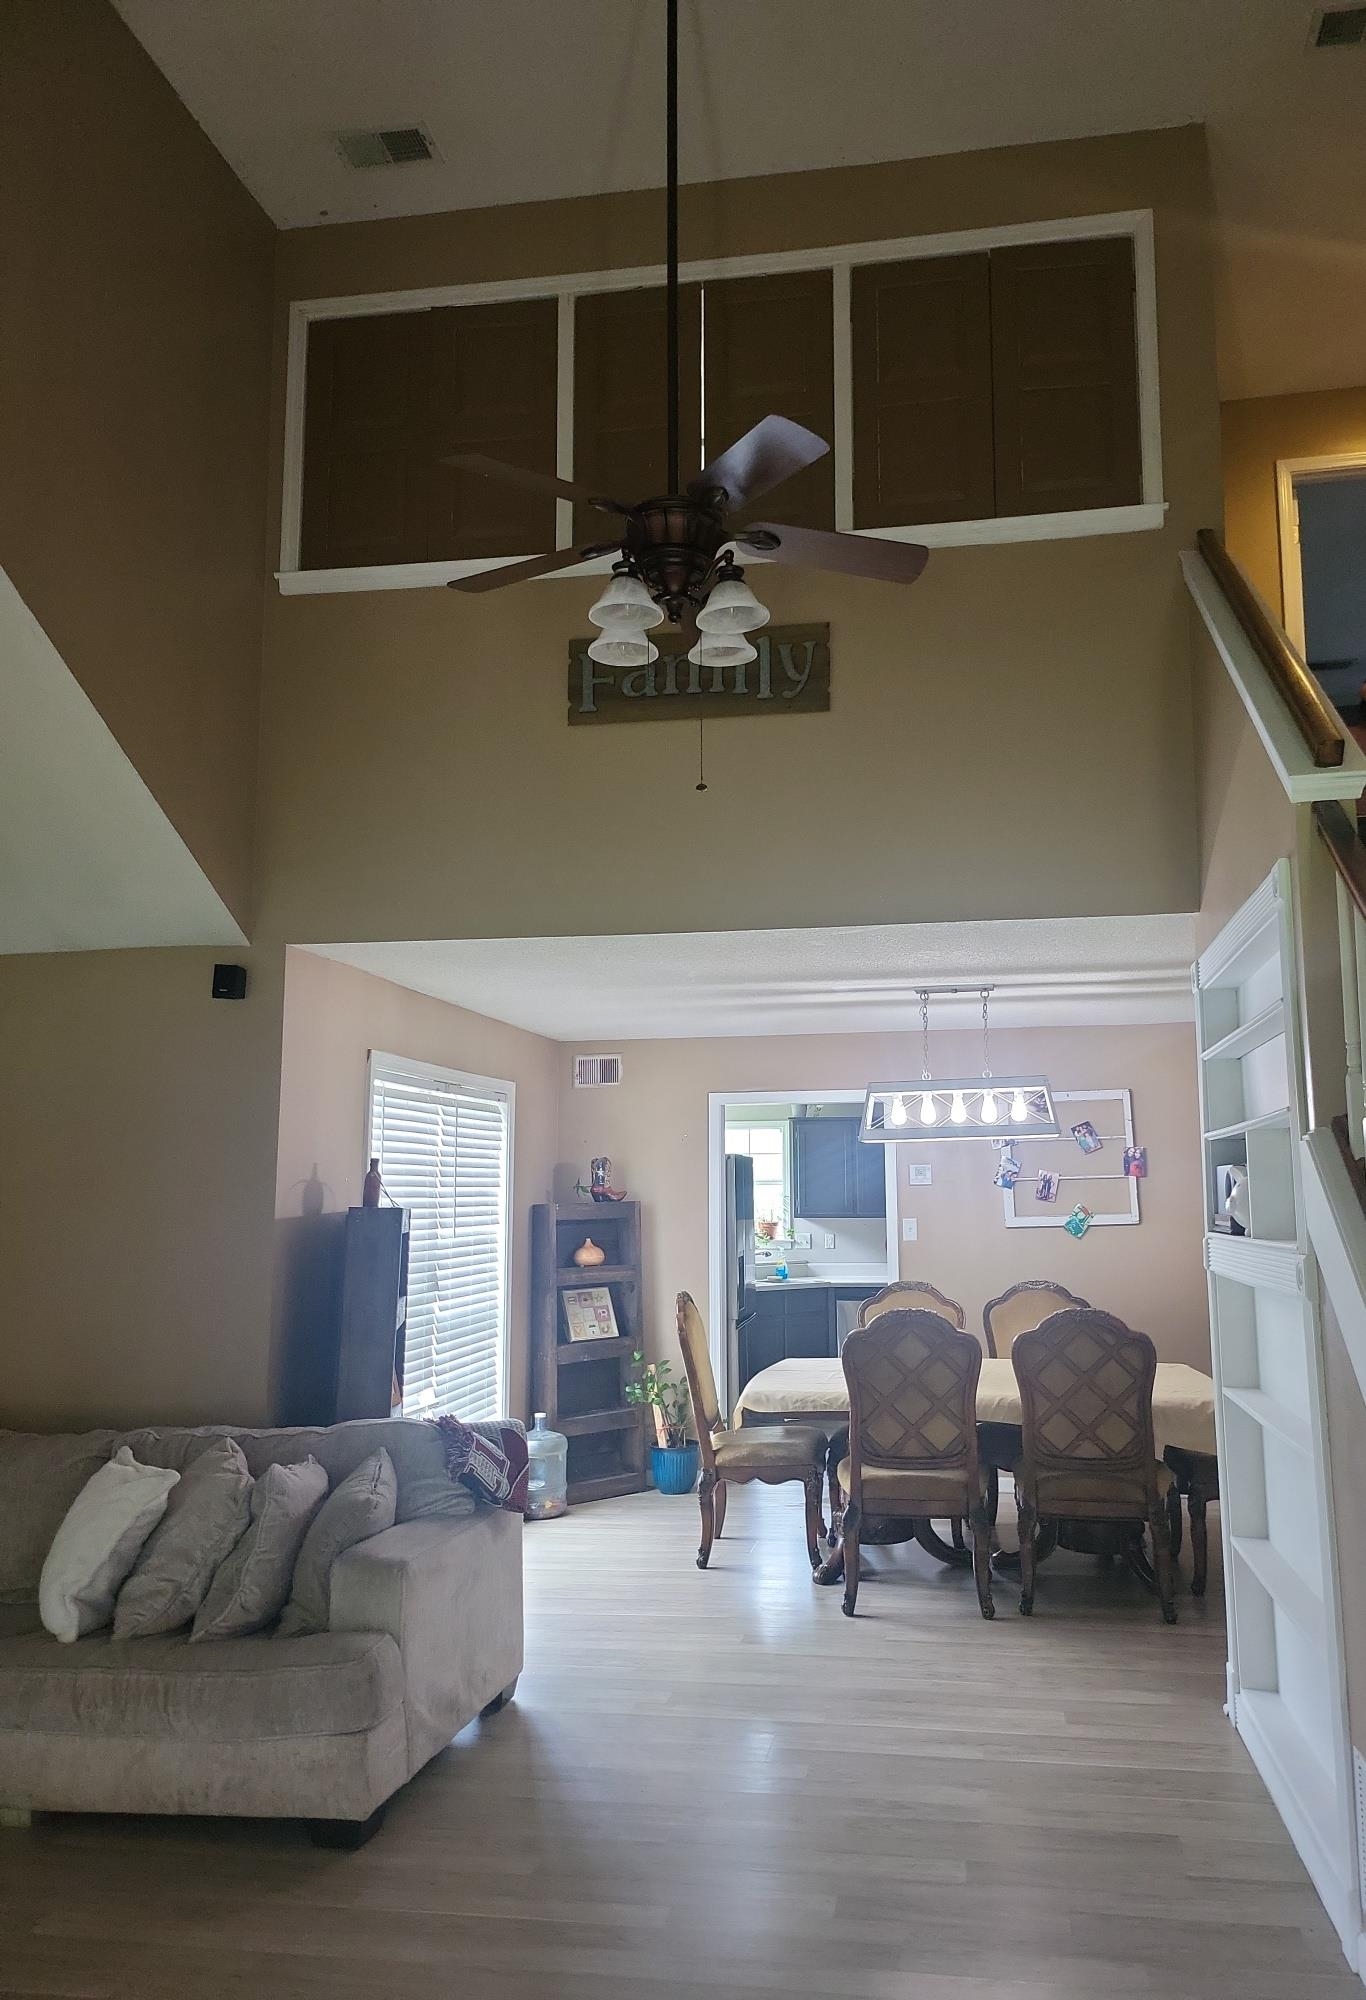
x: 39, y: 1478
x: 97, y: 1544
x: 250, y: 1589
x: 219, y: 1691
x: 362, y: 1506
x: 206, y: 1516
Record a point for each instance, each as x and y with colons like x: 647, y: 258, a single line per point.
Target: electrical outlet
x: 829, y: 1239
x: 909, y: 1229
x: 918, y: 1175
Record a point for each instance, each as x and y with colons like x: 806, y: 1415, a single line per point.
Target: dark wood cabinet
x: 833, y: 1172
x: 581, y: 1385
x: 800, y: 1323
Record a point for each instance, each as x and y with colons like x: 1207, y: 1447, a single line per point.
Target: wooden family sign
x: 791, y: 676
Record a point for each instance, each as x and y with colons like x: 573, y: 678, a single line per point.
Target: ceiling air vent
x: 1340, y: 28
x: 593, y: 1072
x: 400, y: 147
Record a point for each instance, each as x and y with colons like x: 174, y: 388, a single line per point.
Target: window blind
x: 443, y: 1151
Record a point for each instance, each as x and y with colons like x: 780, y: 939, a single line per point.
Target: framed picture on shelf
x: 588, y: 1314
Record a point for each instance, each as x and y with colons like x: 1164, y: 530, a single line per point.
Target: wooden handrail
x: 1315, y: 716
x: 1340, y: 837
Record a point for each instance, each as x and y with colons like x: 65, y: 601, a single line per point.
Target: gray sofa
x: 425, y: 1633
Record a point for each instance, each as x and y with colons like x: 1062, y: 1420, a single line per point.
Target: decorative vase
x: 589, y: 1253
x: 674, y: 1467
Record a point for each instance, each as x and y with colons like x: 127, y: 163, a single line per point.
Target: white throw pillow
x: 98, y: 1543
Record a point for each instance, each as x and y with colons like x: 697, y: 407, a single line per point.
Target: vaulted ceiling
x: 531, y: 99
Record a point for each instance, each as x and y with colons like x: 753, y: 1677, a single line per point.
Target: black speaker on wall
x: 229, y: 982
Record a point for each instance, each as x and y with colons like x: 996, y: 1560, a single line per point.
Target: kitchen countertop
x: 807, y: 1281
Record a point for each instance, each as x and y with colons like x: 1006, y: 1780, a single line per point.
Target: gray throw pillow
x: 252, y: 1586
x: 363, y: 1505
x: 207, y: 1515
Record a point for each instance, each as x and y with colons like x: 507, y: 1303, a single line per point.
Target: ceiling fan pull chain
x: 701, y: 785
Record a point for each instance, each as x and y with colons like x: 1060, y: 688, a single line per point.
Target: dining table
x: 813, y: 1390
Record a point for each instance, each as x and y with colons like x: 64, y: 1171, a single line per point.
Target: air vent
x: 595, y: 1072
x: 1340, y: 28
x: 402, y: 146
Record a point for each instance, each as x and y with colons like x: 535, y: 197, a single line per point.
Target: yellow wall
x: 654, y: 1126
x: 139, y: 1121
x: 333, y: 1017
x: 419, y: 779
x: 1256, y: 433
x: 135, y: 353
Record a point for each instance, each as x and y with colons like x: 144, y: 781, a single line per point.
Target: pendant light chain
x: 924, y: 1034
x: 986, y: 1032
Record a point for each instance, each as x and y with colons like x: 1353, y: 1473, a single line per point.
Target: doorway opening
x: 1321, y: 504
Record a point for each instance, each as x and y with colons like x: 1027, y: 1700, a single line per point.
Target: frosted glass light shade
x: 731, y: 607
x: 715, y: 649
x: 623, y: 648
x: 626, y: 605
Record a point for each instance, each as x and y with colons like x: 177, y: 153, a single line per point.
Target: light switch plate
x: 909, y: 1229
x: 918, y: 1175
x: 829, y: 1239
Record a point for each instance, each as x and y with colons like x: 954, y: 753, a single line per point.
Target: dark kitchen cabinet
x: 833, y: 1172
x: 802, y: 1323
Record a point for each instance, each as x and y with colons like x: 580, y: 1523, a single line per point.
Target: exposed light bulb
x: 928, y: 1114
x: 897, y: 1114
x: 958, y: 1112
x: 989, y: 1112
x: 1019, y: 1110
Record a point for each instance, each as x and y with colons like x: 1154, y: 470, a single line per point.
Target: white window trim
x: 493, y: 1086
x: 840, y: 260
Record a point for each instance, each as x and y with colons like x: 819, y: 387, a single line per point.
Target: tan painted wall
x: 419, y: 779
x: 139, y: 1122
x: 333, y: 1017
x: 1256, y: 433
x: 134, y: 349
x: 654, y: 1126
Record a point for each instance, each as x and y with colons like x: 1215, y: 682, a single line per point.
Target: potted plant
x: 673, y: 1456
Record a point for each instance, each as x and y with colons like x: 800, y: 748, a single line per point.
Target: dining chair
x: 1086, y: 1399
x: 1020, y: 1309
x: 912, y: 1381
x: 912, y: 1292
x: 773, y: 1454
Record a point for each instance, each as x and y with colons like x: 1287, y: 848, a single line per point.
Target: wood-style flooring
x: 716, y: 1785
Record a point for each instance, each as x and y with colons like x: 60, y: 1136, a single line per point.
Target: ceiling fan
x: 676, y: 553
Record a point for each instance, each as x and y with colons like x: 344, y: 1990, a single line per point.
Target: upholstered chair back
x: 912, y: 1392
x: 1086, y: 1394
x: 915, y: 1293
x: 1021, y: 1309
x: 706, y: 1404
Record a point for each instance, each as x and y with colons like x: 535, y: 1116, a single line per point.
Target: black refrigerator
x: 738, y: 1286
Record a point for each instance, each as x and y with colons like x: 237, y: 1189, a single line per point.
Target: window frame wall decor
x: 456, y: 1084
x: 1023, y: 1211
x: 842, y: 262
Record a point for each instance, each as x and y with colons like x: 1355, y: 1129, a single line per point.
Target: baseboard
x: 1330, y: 1877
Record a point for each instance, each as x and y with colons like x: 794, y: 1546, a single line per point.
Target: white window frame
x: 840, y: 260
x: 773, y: 1123
x: 493, y: 1086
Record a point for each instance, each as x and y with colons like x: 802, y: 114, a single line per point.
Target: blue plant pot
x: 674, y: 1469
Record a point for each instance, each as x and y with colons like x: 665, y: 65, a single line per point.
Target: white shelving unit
x: 1285, y: 1683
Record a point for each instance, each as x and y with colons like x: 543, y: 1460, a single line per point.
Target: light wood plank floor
x: 716, y: 1785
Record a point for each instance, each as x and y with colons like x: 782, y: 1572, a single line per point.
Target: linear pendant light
x: 958, y: 1107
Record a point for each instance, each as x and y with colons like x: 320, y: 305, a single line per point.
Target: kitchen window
x: 444, y: 1144
x: 992, y: 385
x: 767, y: 1146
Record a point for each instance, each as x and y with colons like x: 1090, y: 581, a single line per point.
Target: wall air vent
x: 594, y: 1072
x: 1340, y: 28
x: 401, y: 146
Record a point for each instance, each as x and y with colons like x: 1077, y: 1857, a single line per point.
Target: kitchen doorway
x: 1321, y: 504
x: 817, y: 1205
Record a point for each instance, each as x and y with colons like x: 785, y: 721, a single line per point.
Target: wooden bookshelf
x: 581, y: 1384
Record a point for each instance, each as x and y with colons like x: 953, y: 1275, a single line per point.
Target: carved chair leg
x: 838, y: 1445
x: 1174, y: 1535
x: 706, y: 1489
x: 1162, y: 1563
x: 981, y: 1558
x: 832, y: 1569
x: 1029, y: 1523
x: 718, y: 1507
x: 956, y: 1532
x: 815, y: 1523
x: 1199, y: 1542
x: 993, y: 1494
x: 849, y: 1544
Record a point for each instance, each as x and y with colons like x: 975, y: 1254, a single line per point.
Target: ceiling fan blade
x: 854, y: 555
x: 761, y: 460
x: 506, y: 573
x: 534, y: 482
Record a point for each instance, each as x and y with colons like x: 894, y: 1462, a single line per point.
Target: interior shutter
x: 1065, y: 376
x: 621, y: 398
x: 921, y: 367
x: 365, y: 449
x: 443, y: 1152
x: 768, y: 348
x: 494, y: 377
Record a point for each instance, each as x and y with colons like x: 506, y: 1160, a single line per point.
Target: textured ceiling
x: 1065, y: 972
x: 530, y: 99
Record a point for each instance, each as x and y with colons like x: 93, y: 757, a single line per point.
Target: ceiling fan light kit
x: 623, y: 647
x: 722, y: 649
x: 677, y: 552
